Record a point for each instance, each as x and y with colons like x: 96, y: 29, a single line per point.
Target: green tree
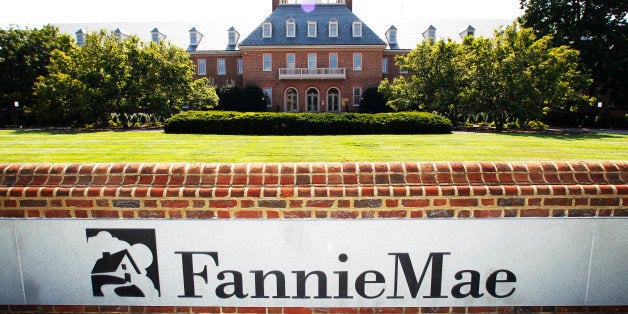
x: 203, y: 95
x: 436, y: 81
x: 24, y: 56
x: 515, y: 77
x: 373, y: 101
x: 87, y: 84
x: 597, y: 28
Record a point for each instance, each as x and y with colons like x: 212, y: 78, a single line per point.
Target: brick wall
x: 313, y: 191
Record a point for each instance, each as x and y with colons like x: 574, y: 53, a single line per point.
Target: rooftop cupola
x: 470, y: 31
x: 156, y: 36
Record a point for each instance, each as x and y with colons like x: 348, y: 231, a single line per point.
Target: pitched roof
x: 322, y: 14
x: 110, y: 262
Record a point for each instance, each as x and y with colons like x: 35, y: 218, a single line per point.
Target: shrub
x: 215, y: 122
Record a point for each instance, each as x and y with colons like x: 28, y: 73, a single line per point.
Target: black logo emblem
x: 125, y: 262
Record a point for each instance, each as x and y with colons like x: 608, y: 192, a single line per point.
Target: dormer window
x: 392, y: 37
x: 291, y: 28
x: 195, y: 37
x: 119, y: 35
x: 267, y: 30
x: 234, y: 36
x: 430, y: 33
x: 470, y: 31
x: 156, y: 36
x: 80, y: 37
x: 333, y: 28
x: 311, y: 29
x: 357, y: 29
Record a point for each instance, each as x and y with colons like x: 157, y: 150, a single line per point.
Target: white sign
x: 315, y: 263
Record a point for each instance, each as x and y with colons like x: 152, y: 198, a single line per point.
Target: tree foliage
x: 596, y: 28
x: 512, y: 76
x: 24, y: 55
x: 87, y: 84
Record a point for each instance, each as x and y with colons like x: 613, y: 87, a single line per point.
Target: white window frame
x: 331, y: 64
x: 357, y: 99
x: 291, y: 64
x: 312, y: 60
x: 357, y: 62
x: 268, y: 92
x: 221, y: 66
x: 335, y: 28
x: 202, y: 67
x: 393, y: 36
x: 240, y: 66
x: 267, y: 30
x: 385, y: 65
x: 357, y: 29
x: 193, y: 38
x: 267, y: 62
x: 291, y: 28
x: 312, y: 29
x: 232, y: 38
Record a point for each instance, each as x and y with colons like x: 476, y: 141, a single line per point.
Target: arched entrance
x: 292, y: 100
x: 333, y: 100
x: 312, y: 100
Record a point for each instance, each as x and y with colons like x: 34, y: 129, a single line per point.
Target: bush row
x: 216, y: 122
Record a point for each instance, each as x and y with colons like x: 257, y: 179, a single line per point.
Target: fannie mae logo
x: 125, y: 262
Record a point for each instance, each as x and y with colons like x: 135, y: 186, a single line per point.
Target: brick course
x: 470, y: 190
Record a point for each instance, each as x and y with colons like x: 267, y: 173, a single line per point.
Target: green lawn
x: 155, y: 146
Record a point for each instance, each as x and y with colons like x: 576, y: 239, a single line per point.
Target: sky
x: 213, y: 17
x: 39, y: 12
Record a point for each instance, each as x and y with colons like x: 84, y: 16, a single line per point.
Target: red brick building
x: 306, y: 57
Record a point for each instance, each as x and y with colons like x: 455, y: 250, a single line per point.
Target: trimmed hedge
x: 255, y: 123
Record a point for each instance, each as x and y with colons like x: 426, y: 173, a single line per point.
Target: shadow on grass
x: 567, y: 137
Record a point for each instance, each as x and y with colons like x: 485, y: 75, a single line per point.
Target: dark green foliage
x: 216, y: 122
x: 24, y: 55
x: 248, y: 99
x: 596, y: 28
x: 374, y: 102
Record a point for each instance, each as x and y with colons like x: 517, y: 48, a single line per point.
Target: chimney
x: 349, y: 4
x: 275, y: 4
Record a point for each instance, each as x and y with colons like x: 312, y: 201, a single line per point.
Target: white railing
x: 314, y: 73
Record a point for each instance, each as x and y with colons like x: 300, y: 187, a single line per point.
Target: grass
x: 155, y: 146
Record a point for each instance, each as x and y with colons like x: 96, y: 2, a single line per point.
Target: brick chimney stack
x: 275, y: 4
x: 349, y: 4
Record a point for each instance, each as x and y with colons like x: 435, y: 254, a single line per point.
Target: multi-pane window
x: 357, y: 29
x: 393, y: 36
x: 268, y: 96
x: 357, y: 95
x: 357, y: 62
x: 240, y: 66
x: 333, y: 28
x: 333, y: 60
x: 232, y: 38
x: 385, y: 65
x: 311, y: 61
x: 155, y: 38
x: 202, y: 67
x: 193, y: 38
x: 222, y: 68
x: 267, y: 30
x: 290, y: 61
x: 268, y: 62
x: 291, y: 28
x: 311, y: 29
